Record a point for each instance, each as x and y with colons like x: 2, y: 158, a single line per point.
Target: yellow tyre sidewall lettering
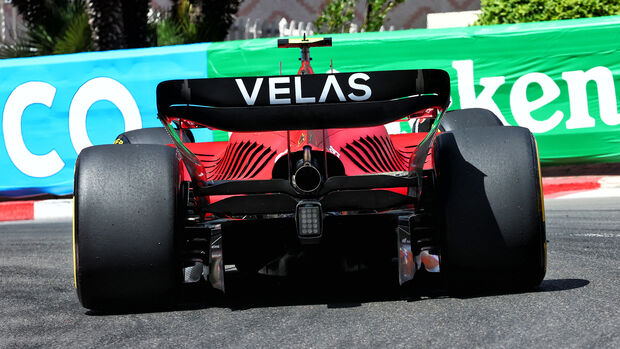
x: 74, y: 248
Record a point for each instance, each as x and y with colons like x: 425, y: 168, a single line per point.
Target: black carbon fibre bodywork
x: 331, y: 100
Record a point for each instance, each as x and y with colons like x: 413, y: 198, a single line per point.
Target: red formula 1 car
x: 309, y: 179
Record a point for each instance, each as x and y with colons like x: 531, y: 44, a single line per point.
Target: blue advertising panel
x: 53, y: 107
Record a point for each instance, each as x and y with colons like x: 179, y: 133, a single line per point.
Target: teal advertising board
x: 560, y: 79
x: 52, y: 107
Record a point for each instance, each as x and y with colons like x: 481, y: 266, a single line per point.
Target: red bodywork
x: 252, y: 156
x: 360, y: 151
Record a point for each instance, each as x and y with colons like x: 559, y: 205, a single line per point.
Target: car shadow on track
x: 248, y: 292
x: 551, y: 285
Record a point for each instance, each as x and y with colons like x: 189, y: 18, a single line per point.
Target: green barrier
x: 560, y: 79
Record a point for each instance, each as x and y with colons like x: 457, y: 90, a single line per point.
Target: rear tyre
x: 491, y: 226
x: 468, y: 118
x: 152, y: 135
x: 124, y: 225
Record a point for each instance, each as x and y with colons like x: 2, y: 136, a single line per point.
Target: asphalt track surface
x: 577, y: 305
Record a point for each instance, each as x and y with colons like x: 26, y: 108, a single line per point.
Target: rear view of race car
x: 308, y: 179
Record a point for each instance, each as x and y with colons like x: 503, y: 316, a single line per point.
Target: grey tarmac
x: 577, y: 305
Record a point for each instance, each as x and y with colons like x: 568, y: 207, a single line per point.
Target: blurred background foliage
x: 191, y: 21
x: 69, y: 26
x: 520, y: 11
x: 338, y: 15
x: 53, y: 27
x: 118, y: 24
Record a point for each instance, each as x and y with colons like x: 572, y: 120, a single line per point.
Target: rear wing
x: 297, y: 102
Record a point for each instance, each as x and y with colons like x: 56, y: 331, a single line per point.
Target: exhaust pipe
x: 307, y: 177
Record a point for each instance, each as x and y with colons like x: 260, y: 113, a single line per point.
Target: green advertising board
x: 559, y: 79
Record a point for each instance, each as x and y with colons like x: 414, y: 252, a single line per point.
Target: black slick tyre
x: 468, y: 118
x: 490, y: 209
x: 125, y: 217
